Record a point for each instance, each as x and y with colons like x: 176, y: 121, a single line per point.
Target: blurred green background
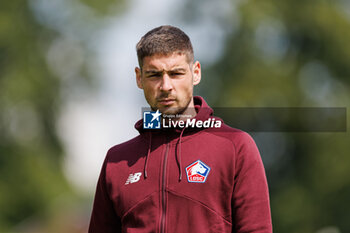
x: 286, y: 53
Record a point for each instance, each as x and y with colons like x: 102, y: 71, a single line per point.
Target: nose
x: 166, y: 84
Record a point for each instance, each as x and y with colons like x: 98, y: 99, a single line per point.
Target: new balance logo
x: 133, y: 178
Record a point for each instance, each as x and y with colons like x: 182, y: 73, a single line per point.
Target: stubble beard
x: 177, y: 111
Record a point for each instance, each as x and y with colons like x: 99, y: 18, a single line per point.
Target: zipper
x: 162, y: 223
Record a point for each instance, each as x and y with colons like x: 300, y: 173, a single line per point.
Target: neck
x: 189, y: 113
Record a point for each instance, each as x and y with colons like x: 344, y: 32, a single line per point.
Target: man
x: 189, y: 175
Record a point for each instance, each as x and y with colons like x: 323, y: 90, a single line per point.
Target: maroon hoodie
x: 183, y: 180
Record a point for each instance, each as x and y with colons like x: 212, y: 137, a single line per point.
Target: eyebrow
x: 161, y: 71
x: 177, y: 70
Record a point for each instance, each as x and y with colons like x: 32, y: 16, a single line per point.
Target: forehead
x: 165, y: 62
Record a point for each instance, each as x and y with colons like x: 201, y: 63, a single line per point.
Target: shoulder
x: 238, y: 137
x: 126, y: 149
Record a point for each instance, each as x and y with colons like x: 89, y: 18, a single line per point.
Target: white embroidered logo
x: 133, y: 178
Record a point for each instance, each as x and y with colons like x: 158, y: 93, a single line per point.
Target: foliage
x: 292, y: 54
x: 31, y: 154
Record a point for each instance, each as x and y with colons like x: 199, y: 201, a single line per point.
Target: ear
x: 196, y: 73
x: 138, y: 77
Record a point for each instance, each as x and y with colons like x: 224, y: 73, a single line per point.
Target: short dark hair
x: 164, y: 40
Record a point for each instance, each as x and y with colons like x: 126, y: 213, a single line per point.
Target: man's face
x: 167, y: 82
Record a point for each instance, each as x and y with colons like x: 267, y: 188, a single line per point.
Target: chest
x: 199, y: 169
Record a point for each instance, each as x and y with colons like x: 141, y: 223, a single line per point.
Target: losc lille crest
x: 197, y: 172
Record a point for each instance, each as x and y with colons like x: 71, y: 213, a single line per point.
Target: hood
x: 202, y: 108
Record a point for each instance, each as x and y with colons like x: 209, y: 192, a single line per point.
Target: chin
x: 169, y: 110
x: 173, y: 110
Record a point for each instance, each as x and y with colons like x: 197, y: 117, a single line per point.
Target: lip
x: 166, y: 101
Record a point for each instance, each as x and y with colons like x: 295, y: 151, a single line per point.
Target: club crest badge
x: 197, y: 172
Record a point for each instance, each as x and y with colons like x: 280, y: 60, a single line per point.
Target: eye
x: 176, y: 74
x: 153, y: 75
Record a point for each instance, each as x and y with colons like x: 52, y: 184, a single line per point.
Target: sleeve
x: 103, y: 218
x: 250, y: 200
